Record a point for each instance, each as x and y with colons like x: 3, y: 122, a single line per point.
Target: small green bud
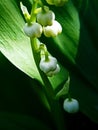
x: 71, y: 106
x: 25, y: 11
x: 45, y: 18
x: 53, y: 30
x: 33, y: 30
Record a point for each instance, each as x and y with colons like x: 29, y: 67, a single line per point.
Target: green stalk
x: 33, y: 14
x: 48, y: 89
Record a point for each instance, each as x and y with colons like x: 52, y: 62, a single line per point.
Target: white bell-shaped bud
x: 45, y: 18
x: 33, y: 30
x: 53, y: 30
x: 48, y: 65
x: 71, y: 106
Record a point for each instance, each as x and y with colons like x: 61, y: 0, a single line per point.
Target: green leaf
x: 81, y: 5
x: 64, y: 90
x: 87, y: 64
x: 13, y: 43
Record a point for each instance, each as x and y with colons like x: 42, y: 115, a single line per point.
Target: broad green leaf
x: 13, y: 43
x: 87, y: 64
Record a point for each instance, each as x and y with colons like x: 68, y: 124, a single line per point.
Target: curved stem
x: 48, y: 89
x: 69, y: 97
x: 33, y: 14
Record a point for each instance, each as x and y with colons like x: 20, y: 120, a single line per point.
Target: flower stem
x: 33, y: 14
x: 48, y: 89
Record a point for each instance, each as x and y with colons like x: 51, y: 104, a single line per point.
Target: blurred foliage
x: 21, y: 97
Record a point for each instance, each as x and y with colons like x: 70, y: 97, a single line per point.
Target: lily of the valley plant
x: 40, y: 21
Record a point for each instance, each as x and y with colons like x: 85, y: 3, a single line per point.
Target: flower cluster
x: 43, y: 21
x: 46, y: 18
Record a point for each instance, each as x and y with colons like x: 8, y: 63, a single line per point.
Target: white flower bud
x: 33, y: 30
x: 53, y: 30
x: 53, y: 72
x: 71, y: 106
x: 45, y: 18
x: 49, y: 65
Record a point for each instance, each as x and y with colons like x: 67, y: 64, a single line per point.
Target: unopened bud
x: 71, y: 106
x: 53, y: 30
x: 33, y: 30
x: 47, y: 66
x: 45, y: 18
